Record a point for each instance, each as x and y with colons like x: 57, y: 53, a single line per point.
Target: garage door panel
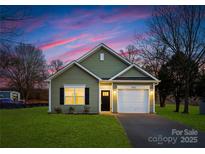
x: 133, y: 101
x: 131, y: 109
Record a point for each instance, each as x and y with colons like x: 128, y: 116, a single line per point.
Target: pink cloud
x: 79, y: 51
x: 100, y: 37
x: 36, y: 23
x: 28, y: 25
x: 126, y: 14
x: 75, y: 51
x: 75, y: 24
x: 106, y: 35
x: 77, y: 20
x: 7, y: 26
x: 57, y: 43
x: 74, y: 46
x: 129, y: 16
x: 72, y: 54
x: 61, y: 42
x: 80, y: 18
x: 118, y: 44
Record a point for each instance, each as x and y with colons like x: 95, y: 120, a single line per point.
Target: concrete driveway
x: 149, y: 130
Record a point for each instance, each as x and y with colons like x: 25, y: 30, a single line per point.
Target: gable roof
x: 115, y: 77
x: 70, y: 65
x: 96, y: 49
x: 138, y: 68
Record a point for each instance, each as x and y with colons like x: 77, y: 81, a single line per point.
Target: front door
x: 105, y: 100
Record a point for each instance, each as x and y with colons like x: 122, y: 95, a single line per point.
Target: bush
x: 71, y: 109
x: 86, y: 108
x: 57, y: 109
x: 194, y: 101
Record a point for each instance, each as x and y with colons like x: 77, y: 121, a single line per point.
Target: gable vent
x: 102, y: 57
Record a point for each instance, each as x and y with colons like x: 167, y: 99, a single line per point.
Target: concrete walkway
x: 149, y: 130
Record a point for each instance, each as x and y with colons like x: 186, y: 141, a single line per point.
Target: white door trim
x: 111, y: 96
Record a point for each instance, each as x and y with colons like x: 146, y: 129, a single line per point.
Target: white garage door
x: 133, y: 101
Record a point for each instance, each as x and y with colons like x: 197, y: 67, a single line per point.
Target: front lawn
x: 34, y: 127
x: 193, y: 119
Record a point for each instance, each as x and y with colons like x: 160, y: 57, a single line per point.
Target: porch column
x: 49, y: 99
x: 153, y: 97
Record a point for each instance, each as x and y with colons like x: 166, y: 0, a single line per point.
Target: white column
x: 153, y: 98
x: 99, y: 98
x: 49, y: 99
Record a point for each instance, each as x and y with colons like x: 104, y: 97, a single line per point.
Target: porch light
x: 114, y: 92
x: 151, y: 92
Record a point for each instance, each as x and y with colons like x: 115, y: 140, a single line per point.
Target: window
x: 101, y: 56
x: 105, y: 93
x: 74, y: 95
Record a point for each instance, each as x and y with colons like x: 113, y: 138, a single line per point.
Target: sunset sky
x: 67, y: 32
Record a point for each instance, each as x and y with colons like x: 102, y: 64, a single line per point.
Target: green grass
x: 34, y: 127
x: 193, y: 119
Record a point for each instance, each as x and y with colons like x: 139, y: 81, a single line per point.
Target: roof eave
x: 140, y: 81
x: 70, y: 65
x: 137, y: 67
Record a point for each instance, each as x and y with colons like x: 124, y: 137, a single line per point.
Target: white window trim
x: 74, y: 86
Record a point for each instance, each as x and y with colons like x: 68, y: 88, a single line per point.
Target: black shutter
x: 62, y: 96
x: 86, y: 96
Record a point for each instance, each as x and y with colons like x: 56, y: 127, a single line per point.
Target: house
x: 13, y: 95
x: 105, y: 81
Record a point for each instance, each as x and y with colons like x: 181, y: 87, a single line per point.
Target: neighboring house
x: 105, y: 81
x: 14, y: 95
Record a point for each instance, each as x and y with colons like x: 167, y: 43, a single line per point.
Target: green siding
x: 110, y: 66
x: 75, y: 75
x: 133, y: 72
x: 127, y: 84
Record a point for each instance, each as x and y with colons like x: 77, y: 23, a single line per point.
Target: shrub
x: 71, y: 109
x: 194, y: 101
x: 57, y: 109
x: 86, y: 108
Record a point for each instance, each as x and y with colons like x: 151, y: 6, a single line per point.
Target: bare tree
x: 180, y: 29
x: 154, y: 55
x: 55, y: 65
x: 24, y: 66
x: 131, y: 54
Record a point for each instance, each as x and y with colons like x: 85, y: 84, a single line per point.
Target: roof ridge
x: 106, y: 47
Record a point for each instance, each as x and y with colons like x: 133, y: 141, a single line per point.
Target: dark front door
x: 105, y: 100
